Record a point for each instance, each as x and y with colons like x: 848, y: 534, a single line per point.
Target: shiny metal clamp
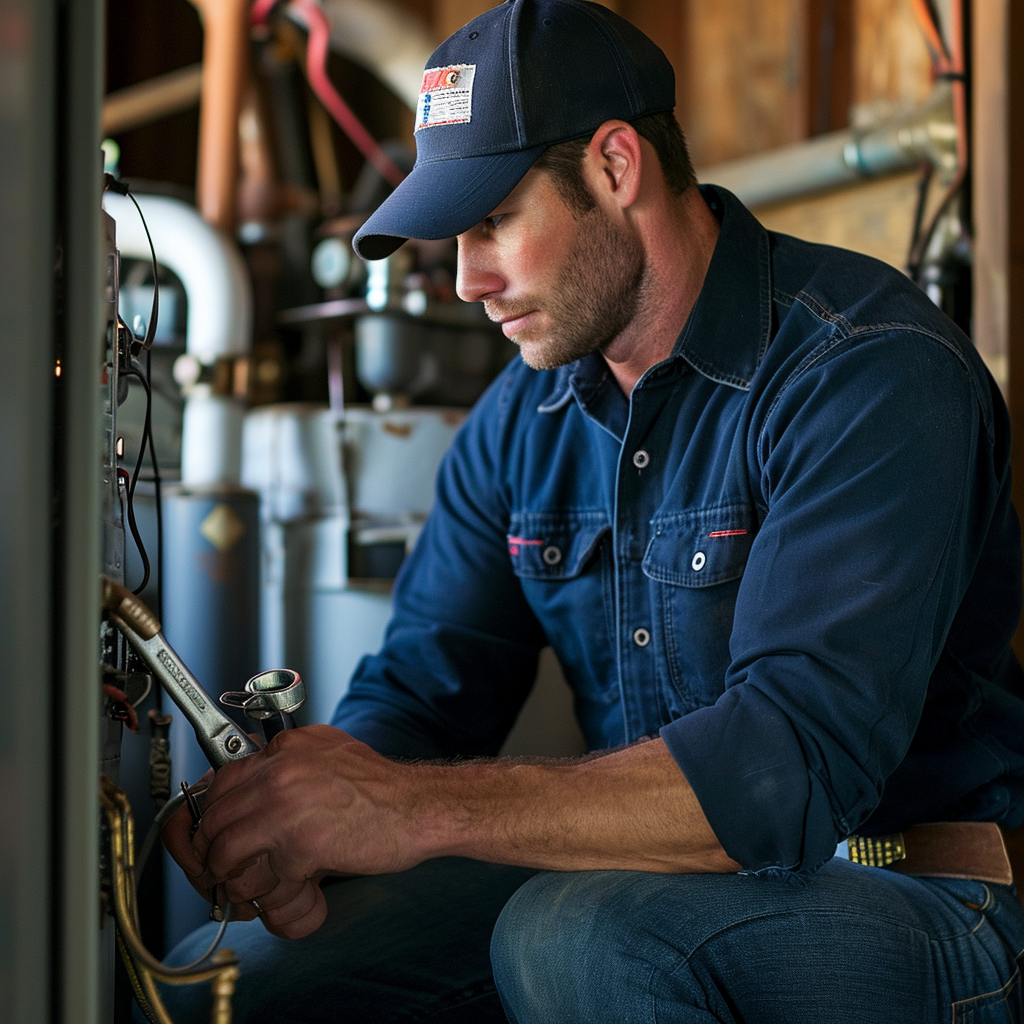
x: 279, y: 691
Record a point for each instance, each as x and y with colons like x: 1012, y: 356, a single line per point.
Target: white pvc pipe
x: 211, y: 439
x: 219, y: 325
x: 207, y: 262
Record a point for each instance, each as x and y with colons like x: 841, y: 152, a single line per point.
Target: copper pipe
x: 258, y: 194
x: 140, y: 104
x: 225, y: 72
x: 222, y: 968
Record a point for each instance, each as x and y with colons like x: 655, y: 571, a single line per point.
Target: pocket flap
x: 700, y: 547
x: 554, y: 545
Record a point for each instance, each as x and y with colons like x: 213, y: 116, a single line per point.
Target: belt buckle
x: 877, y: 851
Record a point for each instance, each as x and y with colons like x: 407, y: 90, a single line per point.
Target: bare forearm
x: 629, y: 809
x: 317, y: 801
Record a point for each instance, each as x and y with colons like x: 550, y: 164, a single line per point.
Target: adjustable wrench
x: 220, y: 739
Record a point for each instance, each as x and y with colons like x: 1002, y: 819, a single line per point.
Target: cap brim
x: 441, y: 199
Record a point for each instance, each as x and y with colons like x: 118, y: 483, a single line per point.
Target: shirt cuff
x: 745, y: 763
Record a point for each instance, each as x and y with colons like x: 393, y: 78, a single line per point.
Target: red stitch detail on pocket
x: 727, y: 533
x: 520, y: 540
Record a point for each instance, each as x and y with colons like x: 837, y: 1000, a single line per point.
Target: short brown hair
x: 565, y: 159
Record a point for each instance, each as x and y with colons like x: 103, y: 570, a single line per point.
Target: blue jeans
x: 849, y: 943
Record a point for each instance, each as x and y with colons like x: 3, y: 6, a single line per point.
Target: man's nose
x: 474, y: 280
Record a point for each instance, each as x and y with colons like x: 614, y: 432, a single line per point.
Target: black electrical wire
x: 121, y: 188
x: 157, y: 483
x: 146, y: 430
x: 158, y: 497
x: 923, y: 186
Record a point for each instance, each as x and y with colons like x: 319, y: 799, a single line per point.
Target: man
x: 755, y: 494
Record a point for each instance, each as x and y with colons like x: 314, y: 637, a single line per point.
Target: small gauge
x: 332, y: 259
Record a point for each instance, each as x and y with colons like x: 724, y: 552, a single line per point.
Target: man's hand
x: 313, y: 802
x: 287, y: 909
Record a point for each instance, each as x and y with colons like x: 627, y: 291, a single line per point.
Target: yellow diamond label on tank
x: 223, y: 527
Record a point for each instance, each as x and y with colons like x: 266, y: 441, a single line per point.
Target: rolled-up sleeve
x: 878, y: 488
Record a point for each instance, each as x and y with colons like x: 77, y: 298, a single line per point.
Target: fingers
x: 300, y: 916
x: 231, y: 776
x: 290, y: 911
x: 266, y: 817
x: 254, y: 881
x: 228, y: 837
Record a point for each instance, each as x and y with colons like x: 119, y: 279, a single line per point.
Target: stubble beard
x: 595, y: 299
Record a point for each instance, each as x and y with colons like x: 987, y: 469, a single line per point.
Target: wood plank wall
x: 891, y: 63
x: 745, y: 77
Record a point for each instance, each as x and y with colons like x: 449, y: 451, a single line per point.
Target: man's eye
x: 494, y: 221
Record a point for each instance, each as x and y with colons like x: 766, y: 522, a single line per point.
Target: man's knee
x: 563, y: 944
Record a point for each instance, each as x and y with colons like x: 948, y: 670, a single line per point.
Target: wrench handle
x: 220, y: 739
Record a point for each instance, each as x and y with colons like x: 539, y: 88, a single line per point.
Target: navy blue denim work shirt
x: 791, y: 552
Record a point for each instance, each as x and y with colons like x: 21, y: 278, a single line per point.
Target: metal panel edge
x: 77, y: 611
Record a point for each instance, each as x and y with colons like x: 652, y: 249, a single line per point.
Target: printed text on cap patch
x: 446, y: 96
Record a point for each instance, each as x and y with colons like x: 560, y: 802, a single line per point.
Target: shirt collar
x: 728, y: 330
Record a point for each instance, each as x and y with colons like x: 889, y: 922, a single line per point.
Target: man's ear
x: 614, y: 163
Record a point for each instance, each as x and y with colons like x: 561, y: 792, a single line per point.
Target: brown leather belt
x: 953, y: 849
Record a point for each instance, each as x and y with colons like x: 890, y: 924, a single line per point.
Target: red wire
x: 261, y: 10
x: 925, y: 18
x: 317, y: 51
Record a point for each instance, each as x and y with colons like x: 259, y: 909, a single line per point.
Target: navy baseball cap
x: 521, y: 77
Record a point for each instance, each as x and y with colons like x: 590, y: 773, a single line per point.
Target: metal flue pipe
x: 926, y: 134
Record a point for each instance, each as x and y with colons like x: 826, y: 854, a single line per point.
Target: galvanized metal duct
x: 926, y: 134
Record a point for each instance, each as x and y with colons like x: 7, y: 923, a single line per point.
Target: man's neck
x: 680, y: 241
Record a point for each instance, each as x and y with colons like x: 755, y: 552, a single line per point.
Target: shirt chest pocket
x: 554, y: 546
x: 564, y: 564
x: 695, y: 560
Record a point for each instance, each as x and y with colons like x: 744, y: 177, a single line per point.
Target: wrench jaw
x: 270, y: 698
x: 219, y: 738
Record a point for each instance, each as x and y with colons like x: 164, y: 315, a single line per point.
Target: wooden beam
x: 665, y: 22
x: 451, y: 15
x: 829, y: 62
x: 140, y: 104
x: 998, y: 201
x: 873, y: 217
x: 991, y: 193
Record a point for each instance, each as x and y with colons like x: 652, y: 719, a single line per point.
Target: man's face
x: 560, y: 287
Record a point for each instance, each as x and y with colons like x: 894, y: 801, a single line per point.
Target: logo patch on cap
x: 446, y: 96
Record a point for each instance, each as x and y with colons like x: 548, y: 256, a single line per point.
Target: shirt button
x: 551, y: 555
x: 641, y: 459
x: 699, y: 561
x: 641, y: 637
